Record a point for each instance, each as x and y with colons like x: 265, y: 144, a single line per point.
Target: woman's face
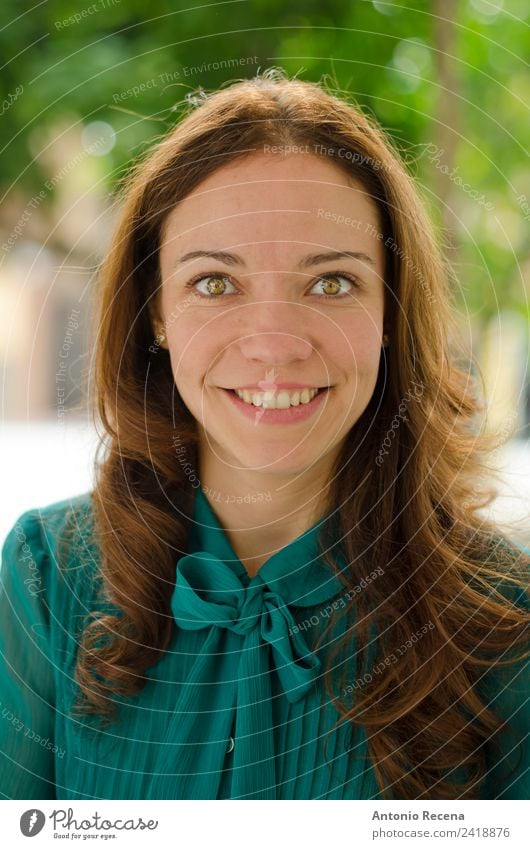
x: 274, y: 309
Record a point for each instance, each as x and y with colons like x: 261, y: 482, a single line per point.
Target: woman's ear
x: 158, y: 327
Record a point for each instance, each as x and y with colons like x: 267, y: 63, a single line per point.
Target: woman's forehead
x: 297, y: 197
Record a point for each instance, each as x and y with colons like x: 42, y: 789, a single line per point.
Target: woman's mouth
x: 278, y: 407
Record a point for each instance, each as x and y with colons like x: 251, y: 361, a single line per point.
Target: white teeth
x: 271, y: 400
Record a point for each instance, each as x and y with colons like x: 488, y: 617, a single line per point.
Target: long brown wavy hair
x: 407, y: 488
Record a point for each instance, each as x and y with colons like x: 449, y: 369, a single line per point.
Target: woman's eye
x: 329, y: 281
x: 214, y: 285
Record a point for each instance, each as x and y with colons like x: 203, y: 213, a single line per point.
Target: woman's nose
x: 274, y: 332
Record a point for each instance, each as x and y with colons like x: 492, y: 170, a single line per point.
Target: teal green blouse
x: 236, y: 707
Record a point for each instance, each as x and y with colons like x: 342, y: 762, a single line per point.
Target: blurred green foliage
x: 129, y: 62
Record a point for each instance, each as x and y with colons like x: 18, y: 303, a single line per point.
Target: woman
x: 280, y: 587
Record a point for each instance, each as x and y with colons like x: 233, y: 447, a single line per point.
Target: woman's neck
x: 262, y: 518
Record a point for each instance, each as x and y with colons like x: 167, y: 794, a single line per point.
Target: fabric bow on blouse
x: 252, y: 634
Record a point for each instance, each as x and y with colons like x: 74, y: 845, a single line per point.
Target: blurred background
x: 85, y: 87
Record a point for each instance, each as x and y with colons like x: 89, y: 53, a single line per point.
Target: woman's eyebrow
x: 315, y: 259
x: 306, y: 262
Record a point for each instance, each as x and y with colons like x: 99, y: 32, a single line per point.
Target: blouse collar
x: 297, y: 572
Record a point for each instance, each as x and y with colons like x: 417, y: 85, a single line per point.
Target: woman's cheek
x: 192, y: 358
x: 348, y: 348
x: 364, y: 342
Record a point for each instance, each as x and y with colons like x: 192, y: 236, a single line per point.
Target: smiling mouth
x: 282, y: 400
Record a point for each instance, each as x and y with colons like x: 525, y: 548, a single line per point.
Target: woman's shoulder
x: 507, y: 562
x: 52, y: 547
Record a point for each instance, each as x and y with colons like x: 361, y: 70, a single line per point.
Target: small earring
x: 385, y: 340
x: 160, y: 335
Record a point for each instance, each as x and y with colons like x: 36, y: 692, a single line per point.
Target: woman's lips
x: 291, y: 415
